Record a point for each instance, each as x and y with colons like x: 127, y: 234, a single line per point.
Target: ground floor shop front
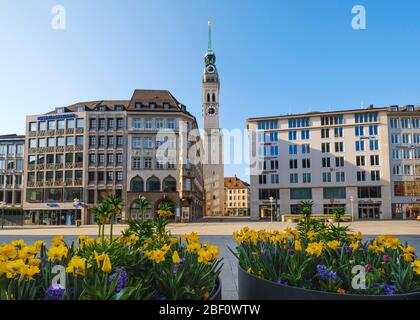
x: 53, y: 217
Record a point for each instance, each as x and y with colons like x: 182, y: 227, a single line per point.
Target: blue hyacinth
x: 122, y: 280
x: 55, y: 292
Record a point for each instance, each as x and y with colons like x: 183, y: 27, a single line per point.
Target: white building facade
x: 336, y: 159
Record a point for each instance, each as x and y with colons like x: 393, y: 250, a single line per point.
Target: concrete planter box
x: 254, y: 288
x: 216, y: 294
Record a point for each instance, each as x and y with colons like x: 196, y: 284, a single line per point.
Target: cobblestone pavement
x: 219, y: 231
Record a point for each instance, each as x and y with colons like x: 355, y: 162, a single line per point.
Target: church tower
x: 213, y: 139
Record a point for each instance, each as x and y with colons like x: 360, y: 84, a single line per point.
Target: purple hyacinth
x: 177, y: 266
x: 388, y: 289
x: 55, y: 292
x: 283, y: 282
x: 122, y: 279
x: 324, y: 274
x: 291, y: 251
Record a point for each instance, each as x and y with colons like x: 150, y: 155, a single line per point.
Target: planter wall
x: 251, y: 287
x: 216, y: 294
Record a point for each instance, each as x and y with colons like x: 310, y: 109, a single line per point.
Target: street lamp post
x: 271, y: 202
x: 352, y: 208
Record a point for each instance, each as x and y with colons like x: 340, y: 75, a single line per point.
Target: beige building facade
x: 236, y: 197
x: 78, y: 155
x: 336, y: 159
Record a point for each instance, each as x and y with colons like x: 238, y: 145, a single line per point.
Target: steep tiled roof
x: 235, y: 183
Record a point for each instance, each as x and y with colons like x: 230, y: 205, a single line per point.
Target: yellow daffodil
x: 165, y: 248
x: 375, y: 248
x: 192, y: 237
x: 39, y: 244
x: 34, y: 262
x: 204, y: 256
x: 354, y: 246
x: 9, y: 251
x: 311, y: 234
x: 99, y: 258
x: 298, y: 245
x: 18, y: 243
x: 174, y: 240
x: 77, y: 266
x: 392, y: 243
x: 409, y: 249
x: 333, y: 244
x: 106, y: 266
x: 416, y: 266
x: 193, y: 247
x: 314, y: 248
x: 57, y: 241
x: 249, y: 270
x: 57, y: 253
x: 159, y: 256
x: 408, y: 257
x: 27, y: 252
x: 27, y: 271
x: 175, y: 258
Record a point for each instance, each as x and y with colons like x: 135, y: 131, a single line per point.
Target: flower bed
x: 320, y: 258
x: 143, y: 263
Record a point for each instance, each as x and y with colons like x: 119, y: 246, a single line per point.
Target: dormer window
x: 102, y: 108
x: 410, y: 108
x: 137, y: 105
x: 166, y: 106
x: 152, y: 105
x: 394, y: 109
x: 60, y: 110
x: 119, y: 108
x: 80, y: 108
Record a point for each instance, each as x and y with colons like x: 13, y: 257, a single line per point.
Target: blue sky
x: 274, y: 57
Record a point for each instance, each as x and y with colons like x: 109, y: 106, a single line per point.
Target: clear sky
x: 273, y: 56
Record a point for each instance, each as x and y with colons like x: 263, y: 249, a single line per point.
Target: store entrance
x: 369, y: 212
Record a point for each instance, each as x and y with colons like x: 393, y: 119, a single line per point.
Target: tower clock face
x: 211, y: 111
x: 210, y: 69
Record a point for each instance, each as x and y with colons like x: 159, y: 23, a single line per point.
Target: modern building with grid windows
x: 366, y: 161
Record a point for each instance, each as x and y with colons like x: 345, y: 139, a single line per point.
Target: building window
x: 338, y: 132
x: 339, y: 162
x: 361, y: 176
x: 340, y: 176
x: 293, y: 164
x: 292, y: 135
x: 306, y: 177
x: 339, y: 147
x: 306, y: 148
x: 136, y: 163
x: 359, y: 131
x: 325, y: 133
x: 394, y: 123
x: 374, y: 160
x: 368, y: 192
x: 294, y: 178
x: 375, y: 175
x: 334, y: 193
x: 374, y: 145
x: 360, y: 161
x: 262, y: 179
x: 136, y: 143
x: 326, y: 177
x: 306, y: 163
x: 274, y: 179
x: 300, y: 193
x: 360, y: 145
x: 136, y: 123
x: 326, y: 162
x: 293, y: 149
x: 147, y: 163
x: 325, y: 147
